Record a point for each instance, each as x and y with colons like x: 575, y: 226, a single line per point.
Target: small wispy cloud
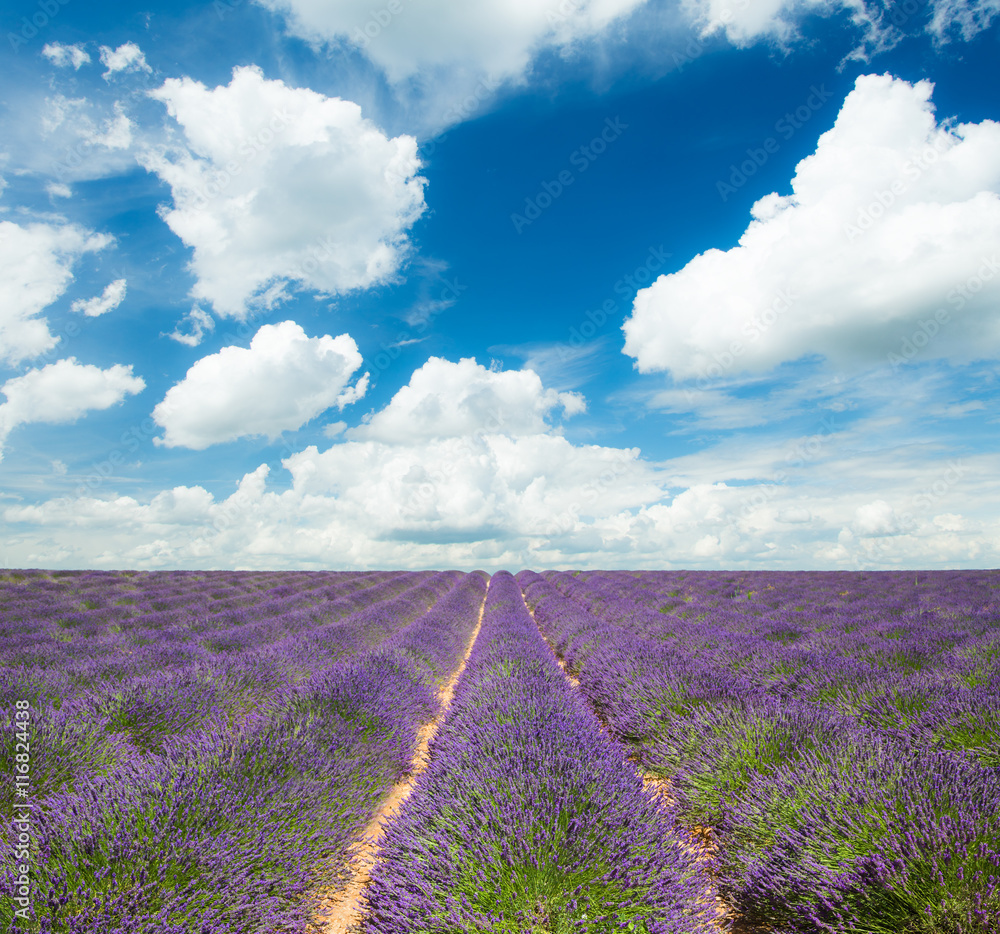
x: 112, y: 296
x: 200, y: 322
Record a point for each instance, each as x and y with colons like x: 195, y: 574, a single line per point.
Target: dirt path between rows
x: 342, y: 904
x: 700, y: 841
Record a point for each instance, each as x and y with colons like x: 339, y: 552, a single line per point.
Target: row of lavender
x: 218, y: 794
x: 66, y: 631
x: 528, y: 817
x: 128, y: 677
x: 840, y: 732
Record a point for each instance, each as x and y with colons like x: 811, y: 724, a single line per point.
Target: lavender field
x: 659, y: 752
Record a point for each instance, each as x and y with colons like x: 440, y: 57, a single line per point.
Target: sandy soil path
x: 342, y: 904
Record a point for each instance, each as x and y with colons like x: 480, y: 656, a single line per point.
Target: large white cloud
x: 890, y: 240
x: 489, y: 488
x: 36, y: 262
x: 280, y: 382
x: 857, y: 494
x: 275, y: 184
x: 828, y: 501
x: 63, y: 392
x: 496, y: 37
x: 475, y: 487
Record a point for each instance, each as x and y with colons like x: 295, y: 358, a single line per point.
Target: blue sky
x: 592, y: 283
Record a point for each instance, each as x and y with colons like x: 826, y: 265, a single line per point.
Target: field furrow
x: 342, y: 905
x: 529, y: 818
x: 699, y: 841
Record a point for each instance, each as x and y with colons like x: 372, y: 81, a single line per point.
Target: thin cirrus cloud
x: 63, y: 392
x: 963, y: 19
x: 890, y: 240
x: 77, y: 138
x: 281, y: 381
x: 746, y: 22
x: 276, y: 186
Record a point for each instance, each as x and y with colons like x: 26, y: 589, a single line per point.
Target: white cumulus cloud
x: 279, y: 185
x: 36, y: 262
x: 65, y: 55
x: 891, y: 235
x: 63, y: 392
x: 472, y: 495
x: 445, y: 399
x: 127, y: 57
x: 875, y: 518
x: 112, y: 296
x: 280, y: 382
